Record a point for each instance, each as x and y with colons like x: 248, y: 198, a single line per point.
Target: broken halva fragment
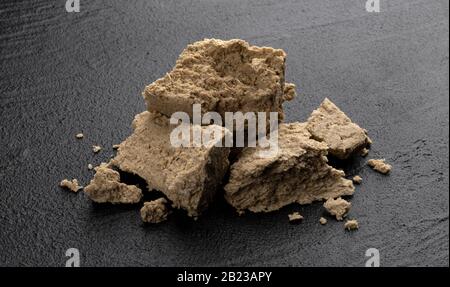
x: 106, y: 187
x: 96, y: 148
x: 295, y: 217
x: 351, y: 224
x: 357, y: 179
x: 72, y: 185
x: 155, y: 211
x: 323, y: 220
x: 379, y: 165
x: 188, y: 176
x: 297, y: 173
x: 330, y: 125
x: 364, y: 152
x: 337, y: 207
x: 222, y: 76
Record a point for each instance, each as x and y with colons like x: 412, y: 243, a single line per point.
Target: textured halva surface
x: 106, y: 187
x: 330, y: 125
x: 222, y: 76
x: 188, y: 176
x: 155, y: 211
x: 298, y: 173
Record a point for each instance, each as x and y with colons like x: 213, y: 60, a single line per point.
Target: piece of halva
x: 298, y: 173
x: 379, y: 165
x: 222, y: 76
x: 188, y: 176
x: 337, y: 207
x: 330, y: 125
x: 106, y: 187
x: 155, y: 211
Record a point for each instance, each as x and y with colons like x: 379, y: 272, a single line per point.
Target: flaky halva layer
x: 299, y: 173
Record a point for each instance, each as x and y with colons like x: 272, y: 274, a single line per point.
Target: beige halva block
x: 222, y: 76
x: 330, y: 125
x: 106, y: 187
x: 298, y: 173
x: 188, y: 176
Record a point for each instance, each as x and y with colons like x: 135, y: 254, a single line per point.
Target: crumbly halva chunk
x: 297, y: 173
x: 79, y: 135
x: 337, y: 207
x: 323, y: 220
x: 330, y: 125
x: 222, y: 76
x: 106, y: 187
x: 71, y: 185
x: 357, y: 179
x: 351, y: 224
x: 155, y: 211
x: 295, y: 217
x: 188, y: 176
x: 379, y: 165
x: 96, y: 148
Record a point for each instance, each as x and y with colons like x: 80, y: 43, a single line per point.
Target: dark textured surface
x: 65, y: 73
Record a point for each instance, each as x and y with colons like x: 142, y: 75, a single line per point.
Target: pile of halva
x: 230, y: 76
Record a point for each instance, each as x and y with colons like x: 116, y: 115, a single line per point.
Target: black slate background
x: 66, y: 73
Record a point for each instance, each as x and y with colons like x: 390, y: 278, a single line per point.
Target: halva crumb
x: 337, y: 207
x: 72, y: 185
x: 364, y: 152
x: 155, y: 211
x: 295, y: 217
x: 79, y: 136
x: 379, y: 165
x: 357, y: 179
x: 351, y: 224
x: 323, y: 220
x: 96, y: 148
